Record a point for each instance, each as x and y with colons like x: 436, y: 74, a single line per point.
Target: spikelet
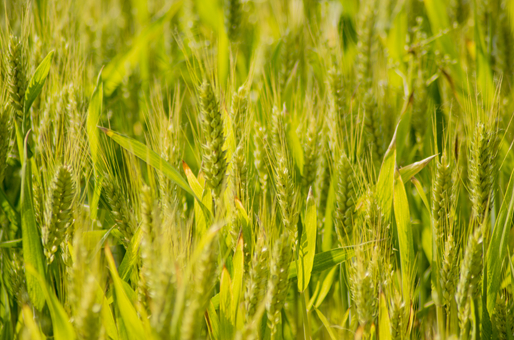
x: 419, y: 106
x: 150, y: 220
x: 204, y: 271
x: 260, y: 155
x: 286, y: 195
x: 323, y: 185
x: 37, y: 193
x: 482, y: 163
x: 442, y: 196
x: 345, y: 199
x: 366, y: 34
x: 233, y: 17
x: 337, y: 115
x: 500, y: 317
x: 449, y: 271
x: 16, y: 75
x: 396, y: 313
x: 278, y: 128
x: 278, y: 283
x: 373, y: 128
x: 363, y: 288
x: 239, y: 111
x: 240, y: 172
x: 289, y: 54
x: 58, y: 214
x: 214, y: 162
x: 470, y: 272
x: 258, y: 276
x: 310, y: 155
x: 87, y: 320
x: 119, y: 208
x: 337, y: 92
x: 420, y: 95
x: 17, y: 287
x: 5, y: 138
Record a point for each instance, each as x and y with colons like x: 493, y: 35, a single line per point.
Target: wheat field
x: 256, y: 169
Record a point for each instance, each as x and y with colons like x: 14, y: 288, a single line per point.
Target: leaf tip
x: 106, y: 131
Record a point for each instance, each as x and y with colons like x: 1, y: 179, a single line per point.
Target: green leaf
x: 93, y: 118
x: 411, y: 170
x: 213, y: 322
x: 32, y: 247
x: 150, y: 157
x: 128, y: 313
x: 11, y: 243
x: 37, y: 81
x: 206, y: 195
x: 385, y: 181
x: 323, y: 286
x: 246, y: 227
x: 326, y: 324
x: 405, y: 239
x: 326, y: 260
x: 226, y: 325
x: 307, y: 247
x: 131, y: 256
x: 384, y: 324
x: 498, y: 246
x: 326, y: 242
x: 121, y: 64
x: 421, y: 193
x: 30, y: 324
x: 63, y: 329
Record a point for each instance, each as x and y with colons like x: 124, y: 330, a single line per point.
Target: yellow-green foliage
x: 156, y: 158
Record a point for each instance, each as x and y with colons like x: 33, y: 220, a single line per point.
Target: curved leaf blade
x: 405, y: 238
x: 326, y: 260
x: 307, y: 247
x: 63, y: 329
x: 32, y: 247
x: 150, y: 157
x: 411, y: 170
x: 37, y: 81
x: 128, y: 313
x: 498, y: 245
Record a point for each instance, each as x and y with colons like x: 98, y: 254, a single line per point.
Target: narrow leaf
x: 385, y: 181
x: 326, y: 260
x: 131, y: 256
x: 32, y: 247
x: 37, y: 81
x: 213, y: 322
x: 150, y: 157
x: 127, y: 311
x: 411, y: 170
x: 326, y: 324
x: 307, y: 247
x: 93, y: 118
x: 384, y: 324
x: 226, y: 325
x: 405, y: 239
x: 63, y: 329
x: 498, y: 246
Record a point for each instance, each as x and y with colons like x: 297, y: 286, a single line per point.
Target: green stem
x: 306, y: 323
x: 440, y: 322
